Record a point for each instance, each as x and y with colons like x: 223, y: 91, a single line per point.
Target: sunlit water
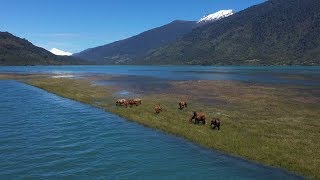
x: 45, y: 136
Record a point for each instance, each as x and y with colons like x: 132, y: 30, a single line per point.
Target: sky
x: 75, y: 25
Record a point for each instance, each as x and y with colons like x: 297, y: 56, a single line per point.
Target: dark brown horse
x: 122, y: 102
x: 198, y: 116
x: 182, y: 104
x: 215, y: 123
x: 157, y: 109
x: 135, y: 102
x: 130, y: 102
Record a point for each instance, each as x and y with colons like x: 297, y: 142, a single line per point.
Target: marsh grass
x: 274, y: 125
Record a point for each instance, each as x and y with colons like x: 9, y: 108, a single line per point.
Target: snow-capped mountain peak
x: 60, y: 52
x: 216, y: 16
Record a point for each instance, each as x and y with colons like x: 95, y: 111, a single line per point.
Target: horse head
x: 194, y: 115
x: 213, y: 121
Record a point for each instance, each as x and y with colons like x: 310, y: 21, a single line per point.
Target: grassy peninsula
x: 277, y: 125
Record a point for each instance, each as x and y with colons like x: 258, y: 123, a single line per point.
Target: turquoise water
x: 46, y: 136
x: 269, y: 74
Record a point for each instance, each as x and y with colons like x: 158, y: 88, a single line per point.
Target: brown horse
x: 137, y: 101
x: 122, y: 102
x: 198, y: 116
x: 215, y: 123
x: 130, y: 102
x: 157, y: 109
x: 182, y: 104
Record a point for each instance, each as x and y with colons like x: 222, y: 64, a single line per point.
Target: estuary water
x: 46, y: 136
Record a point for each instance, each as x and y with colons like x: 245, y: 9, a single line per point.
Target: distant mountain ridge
x: 133, y: 49
x: 18, y: 51
x: 127, y: 50
x: 276, y: 32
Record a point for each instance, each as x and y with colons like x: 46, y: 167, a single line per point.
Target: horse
x: 198, y: 116
x: 121, y: 102
x: 131, y: 102
x: 216, y: 123
x: 158, y: 109
x: 137, y: 101
x: 182, y: 104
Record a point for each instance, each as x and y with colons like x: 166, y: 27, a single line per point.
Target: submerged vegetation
x: 273, y: 124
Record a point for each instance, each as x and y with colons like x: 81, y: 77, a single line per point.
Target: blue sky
x: 75, y: 25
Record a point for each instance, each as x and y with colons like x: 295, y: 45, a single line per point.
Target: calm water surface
x: 43, y: 136
x: 297, y: 75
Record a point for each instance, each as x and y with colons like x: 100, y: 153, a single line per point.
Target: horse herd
x: 130, y: 102
x: 197, y: 116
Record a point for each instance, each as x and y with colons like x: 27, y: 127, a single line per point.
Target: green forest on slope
x: 18, y: 51
x: 127, y: 50
x: 276, y: 32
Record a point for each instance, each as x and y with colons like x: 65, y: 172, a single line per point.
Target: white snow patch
x: 60, y: 52
x: 216, y: 16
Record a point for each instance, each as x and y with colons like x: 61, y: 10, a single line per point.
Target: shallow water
x: 44, y: 136
x: 297, y: 75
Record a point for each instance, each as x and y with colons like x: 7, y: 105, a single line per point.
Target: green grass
x: 273, y: 125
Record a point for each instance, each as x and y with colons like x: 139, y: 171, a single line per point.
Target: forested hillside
x: 18, y: 51
x: 276, y: 32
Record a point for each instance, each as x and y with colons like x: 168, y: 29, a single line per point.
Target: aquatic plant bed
x: 277, y: 125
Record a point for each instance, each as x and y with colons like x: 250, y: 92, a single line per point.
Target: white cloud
x: 60, y: 52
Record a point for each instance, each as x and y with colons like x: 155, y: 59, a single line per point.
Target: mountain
x: 127, y: 50
x: 216, y: 16
x: 17, y: 51
x: 60, y: 52
x: 276, y: 32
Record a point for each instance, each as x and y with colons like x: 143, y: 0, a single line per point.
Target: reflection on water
x: 125, y: 93
x: 63, y: 76
x: 45, y: 136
